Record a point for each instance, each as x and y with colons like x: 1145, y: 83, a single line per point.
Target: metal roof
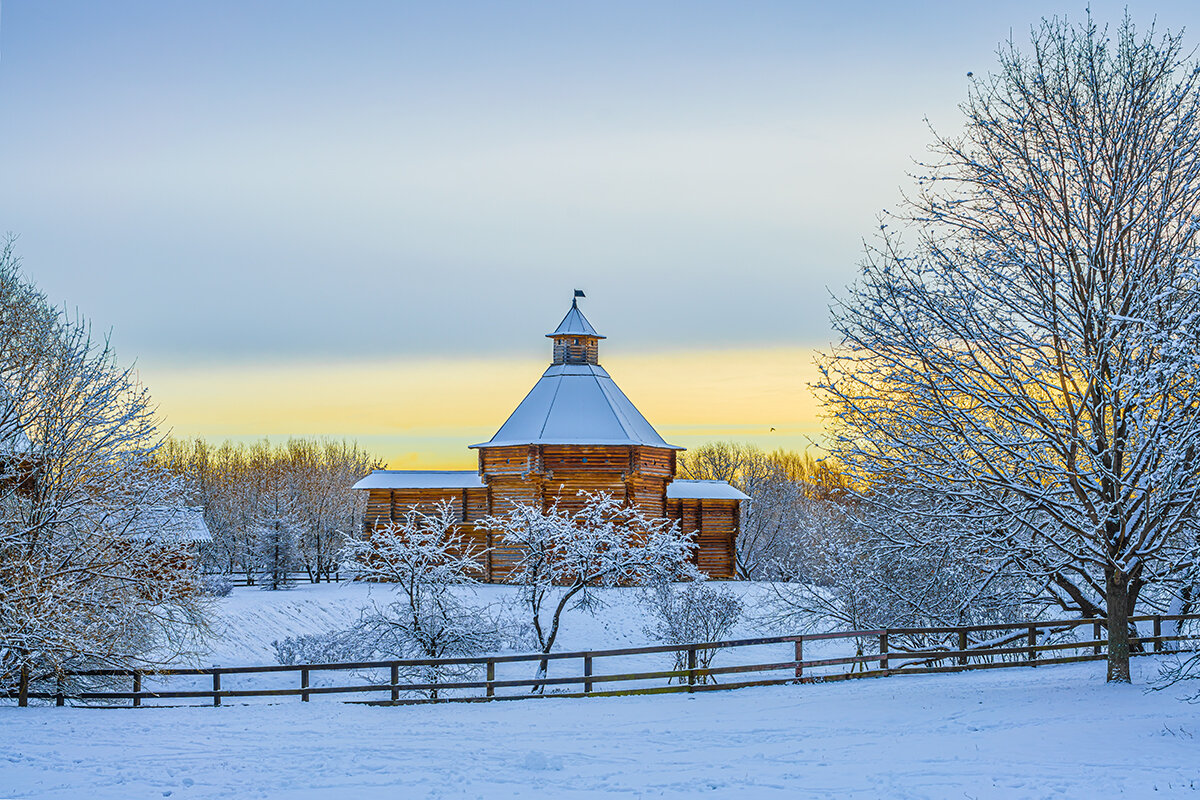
x: 704, y: 490
x: 576, y: 404
x: 575, y: 324
x: 414, y: 479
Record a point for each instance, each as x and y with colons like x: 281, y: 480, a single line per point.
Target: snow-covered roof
x: 576, y: 404
x: 704, y: 490
x: 575, y: 324
x: 415, y: 479
x: 173, y: 524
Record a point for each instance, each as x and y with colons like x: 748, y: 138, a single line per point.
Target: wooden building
x: 575, y: 430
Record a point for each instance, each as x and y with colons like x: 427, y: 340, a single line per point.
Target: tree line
x: 273, y: 510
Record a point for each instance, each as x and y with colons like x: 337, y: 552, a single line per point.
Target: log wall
x: 544, y: 474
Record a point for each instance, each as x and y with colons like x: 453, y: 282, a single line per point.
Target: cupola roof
x: 576, y: 403
x: 575, y: 324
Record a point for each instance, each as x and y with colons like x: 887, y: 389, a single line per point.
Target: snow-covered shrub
x: 319, y: 648
x: 697, y: 612
x: 216, y: 585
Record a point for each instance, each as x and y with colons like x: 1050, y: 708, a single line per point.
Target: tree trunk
x: 1116, y: 589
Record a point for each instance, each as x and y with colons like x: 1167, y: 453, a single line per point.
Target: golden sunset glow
x: 422, y: 413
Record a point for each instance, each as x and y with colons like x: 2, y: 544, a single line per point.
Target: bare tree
x: 85, y: 576
x: 564, y: 556
x: 1033, y: 357
x: 789, y: 493
x: 430, y: 564
x: 246, y: 489
x: 695, y: 612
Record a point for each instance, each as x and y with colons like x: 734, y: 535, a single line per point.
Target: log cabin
x: 575, y: 431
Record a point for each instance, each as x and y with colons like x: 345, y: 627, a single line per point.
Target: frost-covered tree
x: 859, y: 566
x: 1027, y: 347
x: 564, y: 555
x: 789, y: 493
x: 236, y: 485
x: 83, y: 578
x: 430, y: 564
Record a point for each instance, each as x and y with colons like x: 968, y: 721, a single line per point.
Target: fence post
x: 216, y: 689
x: 23, y: 687
x: 962, y: 646
x: 137, y: 688
x: 691, y: 662
x: 60, y: 696
x: 1096, y: 638
x: 1032, y: 644
x: 883, y: 652
x: 799, y: 656
x: 304, y: 685
x: 395, y: 676
x: 1158, y: 644
x: 587, y: 674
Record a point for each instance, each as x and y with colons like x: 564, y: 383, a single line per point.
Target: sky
x: 359, y: 219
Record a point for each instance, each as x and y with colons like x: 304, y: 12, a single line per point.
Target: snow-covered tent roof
x: 703, y: 490
x: 174, y: 524
x: 576, y: 404
x: 413, y: 479
x: 575, y: 324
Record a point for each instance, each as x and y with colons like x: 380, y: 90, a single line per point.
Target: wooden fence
x: 258, y: 579
x: 892, y: 652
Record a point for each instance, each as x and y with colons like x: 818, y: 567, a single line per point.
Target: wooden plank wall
x: 714, y: 524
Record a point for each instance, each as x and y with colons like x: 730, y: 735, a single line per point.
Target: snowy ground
x: 246, y: 622
x: 249, y: 620
x: 1016, y: 733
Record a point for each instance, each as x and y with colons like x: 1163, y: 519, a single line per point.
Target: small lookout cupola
x: 575, y: 340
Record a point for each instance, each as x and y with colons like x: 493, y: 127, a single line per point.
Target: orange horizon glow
x: 423, y: 413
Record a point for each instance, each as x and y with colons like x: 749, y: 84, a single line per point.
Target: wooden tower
x: 575, y: 431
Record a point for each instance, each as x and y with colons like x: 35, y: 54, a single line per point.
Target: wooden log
x: 395, y: 676
x: 883, y: 652
x: 1033, y: 645
x: 137, y: 689
x: 304, y: 685
x: 800, y: 657
x: 216, y: 690
x: 587, y: 674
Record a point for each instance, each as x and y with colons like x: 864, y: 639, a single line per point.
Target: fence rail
x: 1016, y: 644
x: 259, y: 579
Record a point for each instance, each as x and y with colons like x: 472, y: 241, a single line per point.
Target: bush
x: 215, y: 585
x: 696, y: 613
x: 330, y: 647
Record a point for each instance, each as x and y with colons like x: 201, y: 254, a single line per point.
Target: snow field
x: 1019, y: 733
x: 246, y: 622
